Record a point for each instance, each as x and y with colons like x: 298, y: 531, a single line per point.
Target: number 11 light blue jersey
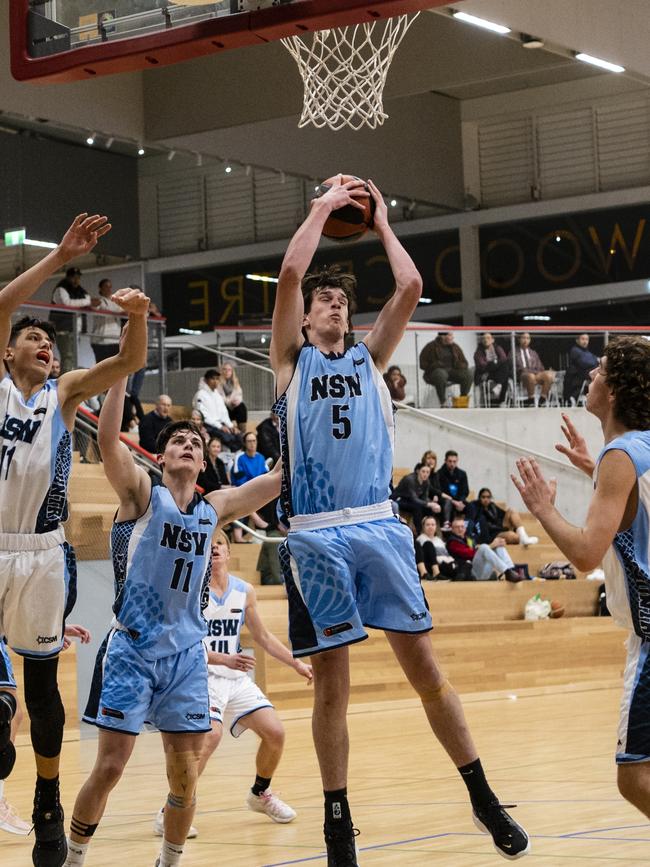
x: 336, y: 432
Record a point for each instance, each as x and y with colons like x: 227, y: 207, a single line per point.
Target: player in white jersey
x: 37, y: 566
x: 616, y: 532
x: 154, y: 666
x: 348, y: 562
x: 233, y: 695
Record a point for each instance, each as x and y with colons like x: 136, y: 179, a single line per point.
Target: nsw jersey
x: 627, y: 562
x: 225, y: 616
x: 35, y: 460
x: 336, y: 433
x: 161, y: 563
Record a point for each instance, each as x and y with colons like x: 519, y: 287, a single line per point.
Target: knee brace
x: 44, y: 705
x: 435, y: 693
x: 7, y: 760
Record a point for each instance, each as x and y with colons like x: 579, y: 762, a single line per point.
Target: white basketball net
x: 344, y: 72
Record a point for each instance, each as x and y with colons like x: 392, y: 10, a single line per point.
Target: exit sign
x: 13, y: 237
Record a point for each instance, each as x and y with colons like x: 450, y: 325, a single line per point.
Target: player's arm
x: 267, y: 641
x: 576, y: 450
x: 236, y: 661
x: 608, y: 511
x: 389, y: 326
x: 289, y: 307
x: 129, y: 481
x: 78, y: 385
x: 80, y: 238
x: 236, y: 503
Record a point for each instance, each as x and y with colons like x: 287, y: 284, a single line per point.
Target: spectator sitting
x: 443, y: 361
x: 581, y: 362
x: 491, y: 365
x: 412, y: 494
x: 106, y: 329
x: 248, y: 465
x: 197, y: 417
x: 268, y: 438
x: 488, y: 561
x: 214, y: 476
x: 454, y: 487
x: 154, y: 421
x: 396, y: 384
x: 130, y: 421
x: 215, y: 413
x: 432, y: 558
x: 230, y: 389
x: 431, y: 460
x: 55, y: 373
x: 531, y: 371
x: 488, y: 521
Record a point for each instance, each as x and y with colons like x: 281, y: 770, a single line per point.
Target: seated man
x: 488, y: 561
x: 215, y: 413
x: 491, y: 364
x: 154, y: 421
x: 581, y: 362
x: 443, y: 361
x: 489, y: 521
x: 454, y: 487
x: 531, y: 371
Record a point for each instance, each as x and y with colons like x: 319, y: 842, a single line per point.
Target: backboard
x: 64, y: 40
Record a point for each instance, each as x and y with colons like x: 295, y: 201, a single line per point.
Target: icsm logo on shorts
x: 336, y: 629
x: 418, y: 615
x: 47, y: 639
x: 194, y: 716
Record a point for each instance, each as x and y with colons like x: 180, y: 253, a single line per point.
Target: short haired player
x: 152, y: 667
x: 354, y: 559
x: 37, y: 566
x: 615, y: 532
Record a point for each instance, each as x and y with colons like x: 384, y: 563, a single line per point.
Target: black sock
x: 337, y: 808
x: 481, y: 795
x: 260, y: 785
x: 47, y: 793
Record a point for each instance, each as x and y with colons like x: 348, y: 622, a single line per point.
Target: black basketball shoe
x: 50, y: 848
x: 340, y: 842
x: 510, y: 840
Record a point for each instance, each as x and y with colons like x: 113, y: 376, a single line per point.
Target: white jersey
x: 225, y: 616
x: 35, y: 460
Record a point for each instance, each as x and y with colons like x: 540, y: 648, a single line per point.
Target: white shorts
x: 234, y: 698
x: 37, y: 590
x: 633, y: 742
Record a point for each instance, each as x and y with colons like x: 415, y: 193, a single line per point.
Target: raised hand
x: 82, y: 235
x: 538, y: 494
x: 380, y: 220
x: 132, y: 301
x: 339, y: 194
x: 577, y: 451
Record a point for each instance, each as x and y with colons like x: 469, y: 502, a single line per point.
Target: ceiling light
x: 536, y: 318
x: 393, y: 203
x: 528, y: 41
x: 109, y: 142
x: 228, y: 170
x: 481, y: 22
x: 261, y: 278
x: 425, y: 301
x: 199, y: 160
x: 91, y: 138
x: 47, y: 244
x: 596, y: 61
x: 140, y: 151
x: 171, y: 155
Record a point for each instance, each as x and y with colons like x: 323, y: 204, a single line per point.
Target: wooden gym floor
x: 550, y: 750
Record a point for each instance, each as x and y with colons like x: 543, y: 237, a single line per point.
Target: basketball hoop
x: 344, y: 72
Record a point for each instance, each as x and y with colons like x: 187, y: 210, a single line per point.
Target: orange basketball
x: 347, y: 223
x: 557, y: 609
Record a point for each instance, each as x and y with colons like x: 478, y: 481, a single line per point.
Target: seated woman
x: 412, y: 495
x: 197, y: 417
x: 432, y: 558
x: 214, y: 476
x: 230, y: 389
x: 396, y: 382
x: 488, y: 521
x: 248, y: 465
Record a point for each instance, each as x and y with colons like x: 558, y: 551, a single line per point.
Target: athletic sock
x: 47, y: 793
x: 170, y: 854
x: 479, y: 791
x: 260, y: 785
x: 76, y: 854
x: 337, y: 808
x: 2, y: 789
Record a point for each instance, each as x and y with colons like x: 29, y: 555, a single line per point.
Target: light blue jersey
x: 162, y: 571
x: 337, y: 433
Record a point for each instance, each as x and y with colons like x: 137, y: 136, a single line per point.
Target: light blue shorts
x: 127, y: 690
x: 342, y: 579
x: 6, y: 669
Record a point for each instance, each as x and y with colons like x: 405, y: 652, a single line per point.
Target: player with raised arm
x: 354, y: 559
x: 152, y: 666
x: 615, y: 532
x: 37, y: 566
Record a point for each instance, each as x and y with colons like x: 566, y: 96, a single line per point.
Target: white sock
x: 76, y: 853
x: 2, y: 789
x: 524, y: 538
x: 170, y: 854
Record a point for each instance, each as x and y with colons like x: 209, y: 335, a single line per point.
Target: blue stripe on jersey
x: 336, y: 432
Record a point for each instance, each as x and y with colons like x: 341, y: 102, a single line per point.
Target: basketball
x: 347, y: 223
x: 557, y: 609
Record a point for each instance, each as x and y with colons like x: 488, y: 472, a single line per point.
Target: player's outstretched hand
x: 73, y: 630
x: 339, y: 194
x: 537, y: 494
x: 380, y: 220
x: 577, y: 451
x: 132, y: 301
x: 240, y: 662
x: 82, y: 235
x: 304, y: 670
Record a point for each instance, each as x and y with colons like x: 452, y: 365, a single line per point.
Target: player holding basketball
x: 37, y: 566
x: 153, y: 665
x: 615, y: 533
x: 354, y: 558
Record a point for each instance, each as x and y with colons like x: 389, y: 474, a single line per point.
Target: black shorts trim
x: 185, y: 731
x: 111, y: 729
x: 325, y: 649
x: 401, y: 631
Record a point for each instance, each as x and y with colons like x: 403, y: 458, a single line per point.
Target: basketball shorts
x: 6, y: 669
x: 171, y: 692
x: 38, y: 589
x: 233, y: 698
x: 341, y: 579
x: 633, y: 742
